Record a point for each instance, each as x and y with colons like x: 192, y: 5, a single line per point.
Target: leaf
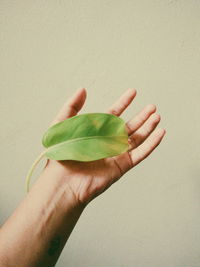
x: 85, y: 137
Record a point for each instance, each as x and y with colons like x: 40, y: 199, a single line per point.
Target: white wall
x: 48, y: 49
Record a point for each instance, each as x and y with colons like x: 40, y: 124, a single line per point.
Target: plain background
x: 49, y: 49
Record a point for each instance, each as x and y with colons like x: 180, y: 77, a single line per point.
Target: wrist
x: 53, y: 180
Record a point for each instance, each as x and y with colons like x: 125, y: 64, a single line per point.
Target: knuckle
x: 114, y: 112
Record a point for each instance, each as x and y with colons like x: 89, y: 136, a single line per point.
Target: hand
x: 87, y: 180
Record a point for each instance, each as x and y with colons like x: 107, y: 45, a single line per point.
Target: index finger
x: 123, y: 102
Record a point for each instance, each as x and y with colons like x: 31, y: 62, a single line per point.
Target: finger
x: 72, y: 106
x: 141, y: 152
x: 139, y: 136
x: 122, y: 103
x: 133, y: 124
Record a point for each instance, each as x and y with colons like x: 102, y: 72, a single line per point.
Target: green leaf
x: 85, y: 137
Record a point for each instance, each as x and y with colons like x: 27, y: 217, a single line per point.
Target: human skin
x: 37, y: 231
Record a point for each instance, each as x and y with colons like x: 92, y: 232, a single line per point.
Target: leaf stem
x: 32, y: 169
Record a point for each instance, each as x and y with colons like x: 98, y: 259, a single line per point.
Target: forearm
x: 35, y: 234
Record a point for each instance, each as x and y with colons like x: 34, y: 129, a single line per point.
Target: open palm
x: 89, y: 179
